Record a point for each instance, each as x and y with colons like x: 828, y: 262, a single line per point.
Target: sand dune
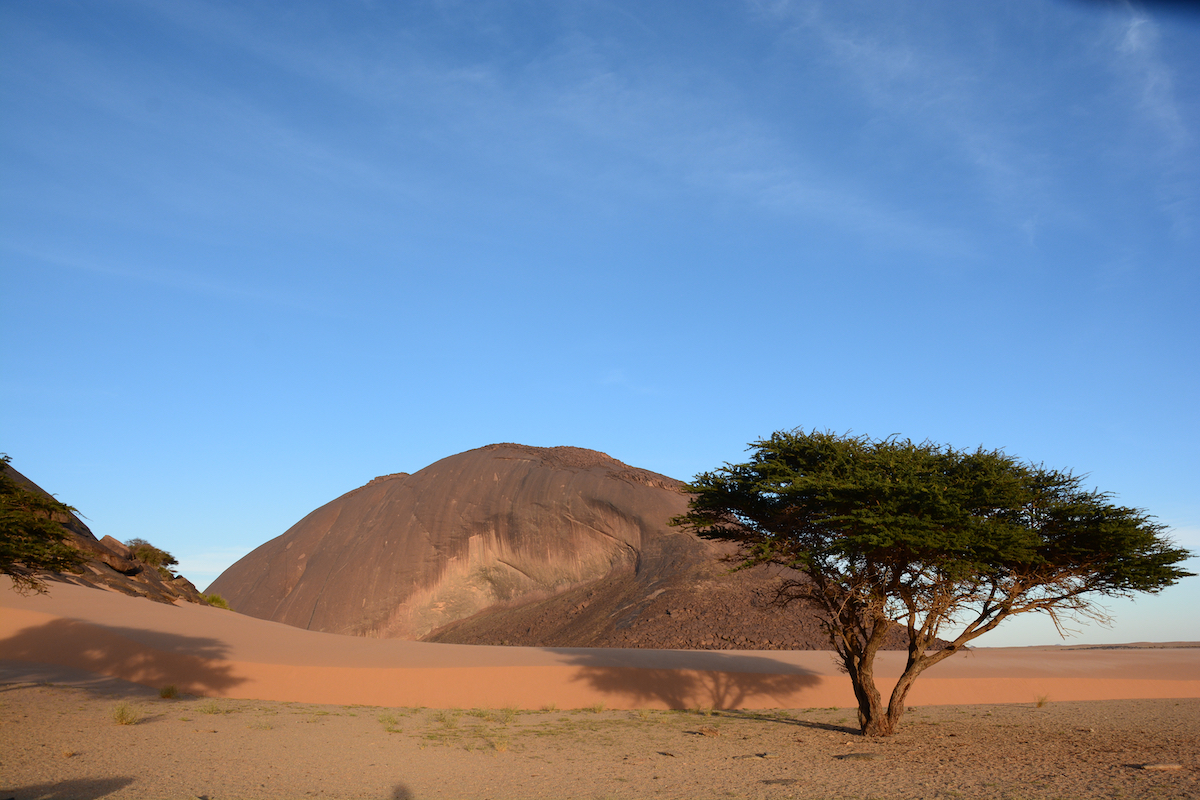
x: 216, y: 653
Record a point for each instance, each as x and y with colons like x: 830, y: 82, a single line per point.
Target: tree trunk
x: 873, y: 718
x: 896, y: 707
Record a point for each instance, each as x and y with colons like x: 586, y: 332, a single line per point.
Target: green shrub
x: 125, y: 714
x: 216, y: 600
x: 148, y: 554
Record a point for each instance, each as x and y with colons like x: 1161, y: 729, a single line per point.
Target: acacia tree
x: 891, y: 532
x: 31, y: 536
x: 147, y: 553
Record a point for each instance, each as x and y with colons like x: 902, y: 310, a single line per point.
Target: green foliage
x: 147, y: 553
x: 887, y: 532
x: 216, y: 600
x: 32, y: 537
x: 125, y: 714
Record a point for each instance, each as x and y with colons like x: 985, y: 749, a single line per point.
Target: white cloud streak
x: 1150, y: 85
x: 1142, y: 62
x: 576, y: 118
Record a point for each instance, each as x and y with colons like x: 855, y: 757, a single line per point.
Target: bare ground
x: 62, y: 741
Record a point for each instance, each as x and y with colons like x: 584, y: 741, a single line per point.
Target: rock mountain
x: 510, y: 544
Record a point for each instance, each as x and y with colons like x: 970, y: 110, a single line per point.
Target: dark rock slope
x: 510, y: 544
x: 110, y: 564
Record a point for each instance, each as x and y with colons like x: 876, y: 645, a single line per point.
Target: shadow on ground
x: 193, y: 664
x: 80, y: 789
x: 715, y: 680
x: 800, y: 723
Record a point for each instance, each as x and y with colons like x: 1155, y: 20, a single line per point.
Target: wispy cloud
x: 578, y: 117
x: 1140, y: 59
x: 1150, y: 83
x: 161, y: 275
x: 939, y: 94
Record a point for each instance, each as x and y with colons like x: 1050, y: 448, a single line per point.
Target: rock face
x: 505, y: 524
x: 509, y: 544
x: 110, y: 564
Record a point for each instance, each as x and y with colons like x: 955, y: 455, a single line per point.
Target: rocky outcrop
x: 110, y: 564
x: 511, y: 544
x: 502, y: 525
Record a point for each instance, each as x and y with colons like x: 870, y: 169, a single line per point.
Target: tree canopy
x: 147, y: 553
x: 946, y: 543
x: 31, y: 536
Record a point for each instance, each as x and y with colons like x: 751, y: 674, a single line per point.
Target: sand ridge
x: 212, y: 652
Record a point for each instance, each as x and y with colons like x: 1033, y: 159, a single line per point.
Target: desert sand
x: 267, y: 710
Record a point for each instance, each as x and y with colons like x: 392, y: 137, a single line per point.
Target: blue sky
x: 254, y: 255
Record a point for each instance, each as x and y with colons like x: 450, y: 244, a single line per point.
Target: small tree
x: 31, y: 536
x: 891, y: 532
x: 147, y: 553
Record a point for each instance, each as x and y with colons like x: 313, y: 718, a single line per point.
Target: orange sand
x: 208, y: 651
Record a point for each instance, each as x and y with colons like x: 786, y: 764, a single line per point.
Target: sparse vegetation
x: 168, y: 692
x: 216, y: 600
x: 1042, y: 699
x: 213, y: 707
x: 124, y: 713
x: 448, y: 718
x: 32, y: 537
x: 153, y: 556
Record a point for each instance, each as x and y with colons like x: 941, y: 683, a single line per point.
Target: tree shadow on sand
x: 79, y: 789
x: 192, y: 664
x: 699, y: 680
x: 784, y: 720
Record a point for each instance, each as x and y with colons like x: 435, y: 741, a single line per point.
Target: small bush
x: 147, y: 553
x: 125, y: 714
x: 1042, y: 699
x: 168, y: 692
x: 216, y: 600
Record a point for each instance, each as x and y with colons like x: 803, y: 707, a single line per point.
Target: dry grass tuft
x: 125, y: 714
